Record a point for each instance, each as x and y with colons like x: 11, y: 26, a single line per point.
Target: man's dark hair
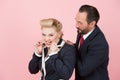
x: 92, y: 13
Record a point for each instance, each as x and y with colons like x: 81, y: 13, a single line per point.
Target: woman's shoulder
x: 69, y: 43
x: 68, y: 46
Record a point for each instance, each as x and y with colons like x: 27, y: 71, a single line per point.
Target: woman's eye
x: 51, y: 34
x: 43, y: 34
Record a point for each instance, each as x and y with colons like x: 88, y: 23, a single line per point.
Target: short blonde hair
x: 51, y: 22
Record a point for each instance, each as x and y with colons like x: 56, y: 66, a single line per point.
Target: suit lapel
x: 89, y: 38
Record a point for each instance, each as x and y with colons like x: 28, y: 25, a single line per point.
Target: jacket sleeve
x: 34, y: 65
x: 64, y: 65
x: 97, y: 54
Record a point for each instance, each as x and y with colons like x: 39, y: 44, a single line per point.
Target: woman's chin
x: 48, y: 46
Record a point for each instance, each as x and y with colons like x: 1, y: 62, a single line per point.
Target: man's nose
x: 77, y: 25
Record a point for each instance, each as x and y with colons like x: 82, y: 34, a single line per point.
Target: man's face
x: 81, y: 22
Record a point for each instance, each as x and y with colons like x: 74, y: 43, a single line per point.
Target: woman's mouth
x: 48, y: 43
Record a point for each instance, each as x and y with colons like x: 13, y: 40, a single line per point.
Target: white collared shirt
x: 86, y: 35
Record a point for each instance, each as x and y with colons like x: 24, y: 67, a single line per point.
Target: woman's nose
x: 46, y: 39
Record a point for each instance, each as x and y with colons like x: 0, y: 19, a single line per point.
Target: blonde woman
x: 53, y: 57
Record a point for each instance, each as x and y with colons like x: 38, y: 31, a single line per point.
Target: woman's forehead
x: 48, y: 30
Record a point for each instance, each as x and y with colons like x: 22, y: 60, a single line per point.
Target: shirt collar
x: 86, y: 35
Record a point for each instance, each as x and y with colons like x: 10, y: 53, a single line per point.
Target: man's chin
x: 79, y: 31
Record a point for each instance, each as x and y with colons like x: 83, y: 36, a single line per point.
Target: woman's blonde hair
x: 51, y: 22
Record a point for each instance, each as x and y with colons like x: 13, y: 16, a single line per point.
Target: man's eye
x: 79, y: 23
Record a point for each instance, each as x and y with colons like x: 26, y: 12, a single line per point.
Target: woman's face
x: 50, y: 35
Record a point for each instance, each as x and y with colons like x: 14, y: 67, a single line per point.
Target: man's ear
x: 92, y: 24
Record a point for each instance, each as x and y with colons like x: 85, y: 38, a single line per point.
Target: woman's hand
x: 38, y: 48
x: 53, y: 48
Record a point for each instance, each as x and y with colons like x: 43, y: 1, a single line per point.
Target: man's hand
x: 69, y: 42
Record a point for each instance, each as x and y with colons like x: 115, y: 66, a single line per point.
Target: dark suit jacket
x: 92, y: 57
x: 58, y: 66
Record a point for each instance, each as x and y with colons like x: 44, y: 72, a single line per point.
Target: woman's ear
x: 60, y: 34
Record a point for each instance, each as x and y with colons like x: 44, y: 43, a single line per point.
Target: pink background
x: 20, y: 29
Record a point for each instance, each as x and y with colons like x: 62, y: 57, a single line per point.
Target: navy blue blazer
x: 92, y: 57
x: 58, y: 66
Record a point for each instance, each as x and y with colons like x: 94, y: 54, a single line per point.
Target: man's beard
x: 81, y: 32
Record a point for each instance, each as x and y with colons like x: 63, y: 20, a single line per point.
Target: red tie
x: 81, y: 40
